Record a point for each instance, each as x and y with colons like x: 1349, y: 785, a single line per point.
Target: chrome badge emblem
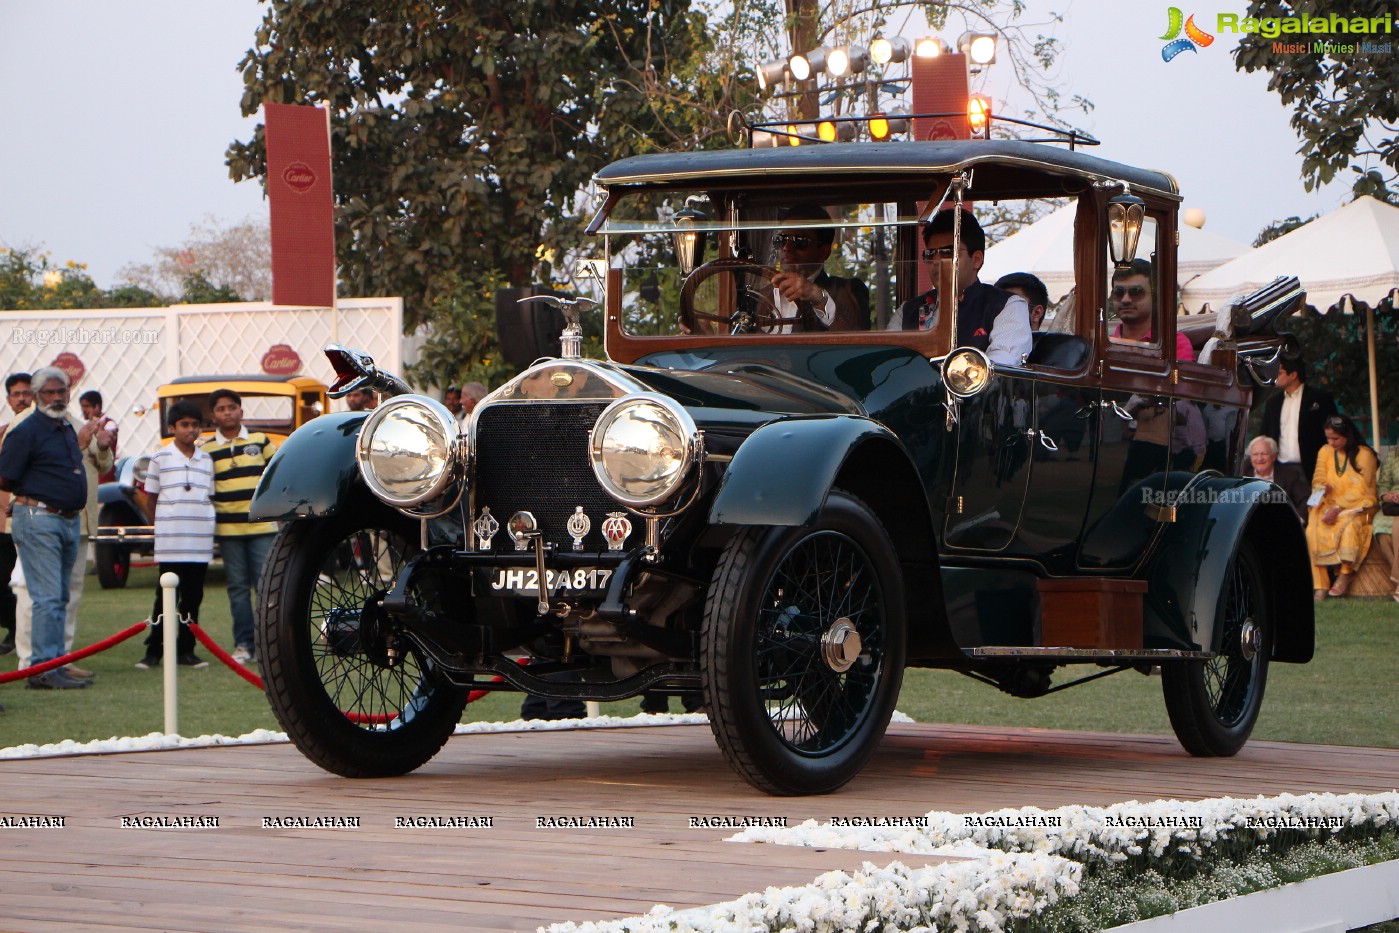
x: 578, y: 527
x: 522, y: 527
x: 616, y: 529
x: 485, y: 527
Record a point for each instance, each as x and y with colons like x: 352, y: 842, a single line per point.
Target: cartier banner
x: 298, y: 185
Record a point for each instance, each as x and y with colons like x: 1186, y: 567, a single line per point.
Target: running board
x: 1087, y: 654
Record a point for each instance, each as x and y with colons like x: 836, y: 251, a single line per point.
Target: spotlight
x: 847, y: 59
x: 884, y: 51
x: 804, y: 66
x: 771, y: 74
x: 979, y: 47
x: 930, y: 47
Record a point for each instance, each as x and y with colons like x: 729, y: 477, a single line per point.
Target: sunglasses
x: 1136, y: 291
x: 938, y: 252
x: 793, y: 240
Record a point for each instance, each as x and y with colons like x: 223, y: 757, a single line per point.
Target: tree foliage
x: 29, y: 281
x: 1346, y: 103
x: 461, y: 133
x: 228, y: 259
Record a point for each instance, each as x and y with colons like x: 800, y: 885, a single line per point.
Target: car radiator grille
x: 533, y: 456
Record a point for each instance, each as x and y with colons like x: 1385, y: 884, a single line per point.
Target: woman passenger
x: 1338, y: 531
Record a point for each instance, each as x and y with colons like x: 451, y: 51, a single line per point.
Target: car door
x: 994, y: 433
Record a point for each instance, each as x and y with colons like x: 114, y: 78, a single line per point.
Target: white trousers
x: 24, y: 609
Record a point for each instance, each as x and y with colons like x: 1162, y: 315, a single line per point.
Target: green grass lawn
x: 1346, y: 696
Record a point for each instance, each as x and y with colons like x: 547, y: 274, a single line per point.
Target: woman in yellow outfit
x: 1338, y: 531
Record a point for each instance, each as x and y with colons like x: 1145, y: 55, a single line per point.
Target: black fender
x: 313, y: 473
x: 782, y: 472
x: 1186, y: 572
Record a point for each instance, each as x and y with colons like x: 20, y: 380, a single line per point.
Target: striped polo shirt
x: 238, y: 465
x: 184, y: 517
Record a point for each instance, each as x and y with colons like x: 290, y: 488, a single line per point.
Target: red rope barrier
x: 224, y: 656
x: 78, y: 655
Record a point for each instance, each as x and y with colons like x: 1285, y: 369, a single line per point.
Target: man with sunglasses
x: 1132, y: 301
x: 804, y: 290
x: 991, y: 319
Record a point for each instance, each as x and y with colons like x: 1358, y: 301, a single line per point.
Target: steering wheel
x: 762, y: 319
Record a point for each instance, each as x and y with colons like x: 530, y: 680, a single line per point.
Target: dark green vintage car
x: 750, y: 502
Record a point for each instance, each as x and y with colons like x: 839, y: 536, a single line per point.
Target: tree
x: 1281, y: 228
x: 236, y: 258
x: 461, y: 132
x: 29, y: 281
x: 1347, y: 103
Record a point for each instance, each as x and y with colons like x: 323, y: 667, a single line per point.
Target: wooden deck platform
x: 515, y: 875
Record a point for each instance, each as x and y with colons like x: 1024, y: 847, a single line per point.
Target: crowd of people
x: 199, y: 490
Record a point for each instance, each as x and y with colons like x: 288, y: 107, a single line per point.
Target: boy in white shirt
x: 180, y: 484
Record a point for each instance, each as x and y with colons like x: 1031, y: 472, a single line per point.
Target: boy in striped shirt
x: 180, y: 485
x: 240, y: 457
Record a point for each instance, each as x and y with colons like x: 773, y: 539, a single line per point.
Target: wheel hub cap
x: 1249, y: 639
x: 840, y: 645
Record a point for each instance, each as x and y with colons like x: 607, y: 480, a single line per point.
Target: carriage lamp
x: 966, y: 371
x: 1126, y: 212
x: 689, y: 242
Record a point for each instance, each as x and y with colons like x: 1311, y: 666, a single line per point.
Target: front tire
x: 1214, y: 704
x: 803, y: 648
x: 355, y: 697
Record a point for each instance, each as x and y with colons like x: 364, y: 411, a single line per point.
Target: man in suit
x: 804, y: 290
x: 1295, y: 416
x: 991, y: 319
x: 1263, y: 463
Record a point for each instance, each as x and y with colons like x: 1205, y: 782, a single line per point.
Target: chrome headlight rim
x: 966, y: 359
x: 440, y: 419
x: 685, y: 429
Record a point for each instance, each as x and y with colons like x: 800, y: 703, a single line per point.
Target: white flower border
x: 1023, y: 860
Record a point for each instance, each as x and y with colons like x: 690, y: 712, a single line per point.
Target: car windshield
x: 712, y: 263
x: 271, y: 413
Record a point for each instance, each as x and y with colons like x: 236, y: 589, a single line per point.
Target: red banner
x: 303, y: 204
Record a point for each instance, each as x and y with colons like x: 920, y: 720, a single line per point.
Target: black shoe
x: 7, y: 646
x: 56, y: 680
x: 150, y: 662
x: 191, y: 660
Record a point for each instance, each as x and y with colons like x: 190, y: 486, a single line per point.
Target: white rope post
x: 594, y: 709
x: 170, y: 618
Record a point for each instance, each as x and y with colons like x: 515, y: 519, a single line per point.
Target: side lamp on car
x: 689, y: 242
x: 966, y: 371
x: 1126, y: 213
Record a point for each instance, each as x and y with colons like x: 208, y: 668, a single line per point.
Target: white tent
x: 1349, y: 255
x: 1046, y: 249
x: 1352, y: 251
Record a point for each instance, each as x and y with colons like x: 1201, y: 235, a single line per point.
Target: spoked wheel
x: 803, y: 648
x: 355, y: 697
x: 1214, y: 704
x: 755, y: 311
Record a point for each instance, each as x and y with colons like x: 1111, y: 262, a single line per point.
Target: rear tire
x: 1214, y: 704
x: 113, y: 560
x: 325, y: 651
x: 793, y: 712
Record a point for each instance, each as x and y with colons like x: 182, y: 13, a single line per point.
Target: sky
x: 117, y: 114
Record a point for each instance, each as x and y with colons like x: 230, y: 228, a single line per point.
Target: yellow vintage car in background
x: 275, y: 405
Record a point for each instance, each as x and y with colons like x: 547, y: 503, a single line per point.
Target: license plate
x: 526, y: 579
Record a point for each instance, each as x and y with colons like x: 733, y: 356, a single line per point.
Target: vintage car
x: 784, y: 518
x: 276, y: 405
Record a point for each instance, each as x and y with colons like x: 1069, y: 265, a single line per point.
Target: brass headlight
x: 966, y: 372
x: 407, y: 450
x: 642, y: 448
